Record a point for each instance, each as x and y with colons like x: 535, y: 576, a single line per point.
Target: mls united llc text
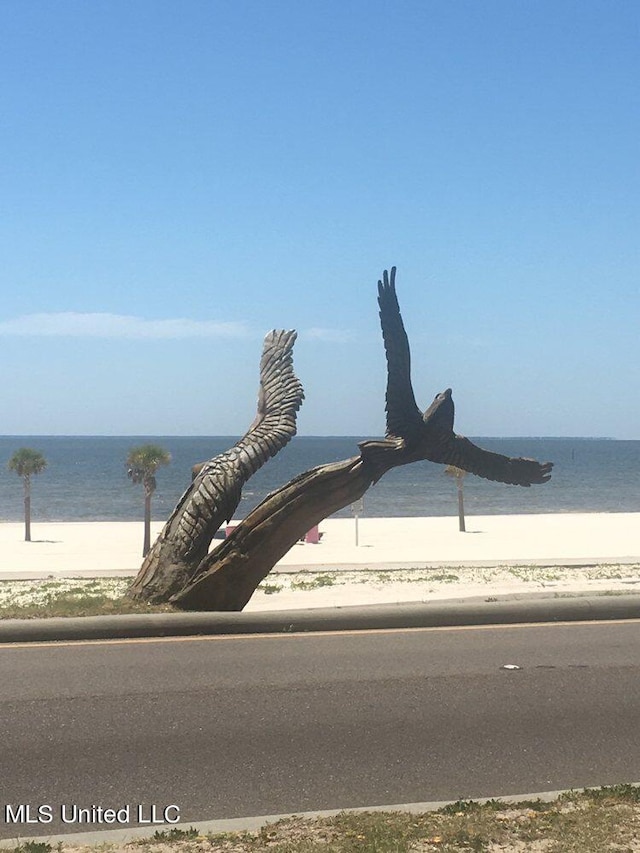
x: 73, y: 814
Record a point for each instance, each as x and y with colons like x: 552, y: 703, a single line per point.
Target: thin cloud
x: 70, y: 324
x: 332, y: 336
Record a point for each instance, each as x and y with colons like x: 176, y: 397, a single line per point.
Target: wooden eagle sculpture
x: 430, y: 435
x: 179, y: 569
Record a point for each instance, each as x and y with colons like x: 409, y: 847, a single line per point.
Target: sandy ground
x: 558, y: 538
x: 395, y: 560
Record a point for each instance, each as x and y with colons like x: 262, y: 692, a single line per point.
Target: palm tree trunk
x: 27, y: 509
x: 147, y: 523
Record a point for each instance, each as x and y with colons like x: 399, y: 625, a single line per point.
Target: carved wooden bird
x: 217, y: 484
x: 430, y: 435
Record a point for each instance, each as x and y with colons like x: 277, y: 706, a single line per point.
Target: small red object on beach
x: 313, y: 535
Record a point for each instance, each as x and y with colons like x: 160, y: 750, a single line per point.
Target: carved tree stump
x: 228, y: 577
x: 215, y: 491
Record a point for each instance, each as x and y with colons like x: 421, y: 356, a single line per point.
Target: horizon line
x: 358, y: 436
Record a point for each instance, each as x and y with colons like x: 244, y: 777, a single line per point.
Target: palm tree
x: 27, y: 462
x: 459, y: 475
x: 142, y: 464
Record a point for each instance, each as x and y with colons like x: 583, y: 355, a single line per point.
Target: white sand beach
x: 396, y: 559
x: 88, y: 548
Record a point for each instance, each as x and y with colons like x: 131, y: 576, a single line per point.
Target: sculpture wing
x: 216, y: 489
x: 404, y: 419
x: 280, y: 396
x: 462, y: 453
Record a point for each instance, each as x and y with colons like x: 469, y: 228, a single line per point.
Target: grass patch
x: 593, y: 821
x: 443, y: 577
x: 70, y: 597
x: 173, y: 834
x: 81, y: 605
x: 34, y: 847
x: 541, y: 574
x: 314, y: 582
x: 269, y: 588
x: 383, y: 577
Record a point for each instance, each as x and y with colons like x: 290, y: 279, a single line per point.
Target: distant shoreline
x: 359, y: 437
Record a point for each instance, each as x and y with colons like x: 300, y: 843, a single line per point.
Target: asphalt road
x: 235, y: 726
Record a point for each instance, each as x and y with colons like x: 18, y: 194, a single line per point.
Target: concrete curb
x: 358, y: 618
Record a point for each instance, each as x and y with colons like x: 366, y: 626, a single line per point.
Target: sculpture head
x: 440, y: 413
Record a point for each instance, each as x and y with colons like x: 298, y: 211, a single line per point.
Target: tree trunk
x: 461, y: 524
x: 27, y: 510
x: 147, y: 523
x: 227, y: 578
x: 184, y: 541
x: 212, y: 497
x: 175, y: 555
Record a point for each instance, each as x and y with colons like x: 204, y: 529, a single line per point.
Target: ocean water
x: 86, y: 479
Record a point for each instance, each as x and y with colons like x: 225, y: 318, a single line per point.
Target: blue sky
x: 178, y: 178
